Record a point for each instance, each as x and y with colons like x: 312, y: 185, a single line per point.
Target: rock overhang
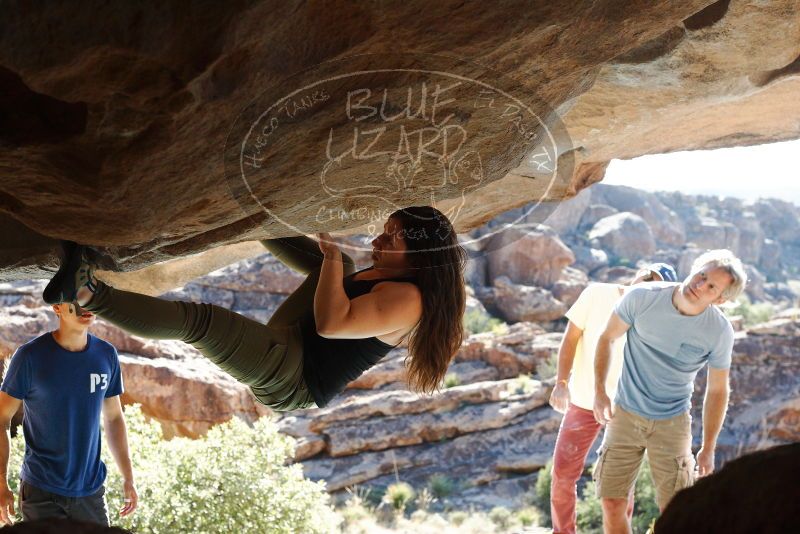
x: 116, y: 137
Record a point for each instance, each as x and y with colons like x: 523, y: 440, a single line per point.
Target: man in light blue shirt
x: 673, y: 330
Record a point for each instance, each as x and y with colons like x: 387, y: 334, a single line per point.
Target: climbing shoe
x: 75, y: 272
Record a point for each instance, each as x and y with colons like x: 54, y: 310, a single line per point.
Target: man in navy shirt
x: 65, y: 379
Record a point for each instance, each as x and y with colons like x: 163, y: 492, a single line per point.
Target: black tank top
x: 330, y: 364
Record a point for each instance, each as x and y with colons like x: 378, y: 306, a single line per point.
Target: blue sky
x: 768, y: 171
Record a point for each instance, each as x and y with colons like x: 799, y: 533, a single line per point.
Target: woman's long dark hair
x: 438, y: 261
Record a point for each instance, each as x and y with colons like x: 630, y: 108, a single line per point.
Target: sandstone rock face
x: 751, y: 237
x: 778, y: 219
x: 568, y: 215
x: 253, y: 287
x: 615, y: 275
x: 756, y: 76
x: 569, y: 287
x: 688, y: 255
x: 624, y: 235
x: 710, y: 234
x: 525, y: 303
x: 21, y: 324
x: 755, y: 284
x: 532, y: 257
x: 109, y: 119
x: 589, y: 259
x: 666, y: 225
x: 186, y: 397
x: 764, y: 388
x: 595, y: 212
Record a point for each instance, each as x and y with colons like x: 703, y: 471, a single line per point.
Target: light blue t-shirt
x: 664, y: 351
x: 63, y: 394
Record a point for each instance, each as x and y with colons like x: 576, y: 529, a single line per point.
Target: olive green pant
x: 268, y: 358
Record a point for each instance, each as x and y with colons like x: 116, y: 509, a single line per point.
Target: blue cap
x: 664, y: 270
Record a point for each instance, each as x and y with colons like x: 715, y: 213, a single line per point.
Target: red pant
x: 575, y: 437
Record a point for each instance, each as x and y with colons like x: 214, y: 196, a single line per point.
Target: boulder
x: 781, y: 291
x: 471, y: 457
x: 712, y: 234
x: 401, y: 431
x: 531, y: 257
x: 625, y: 236
x: 769, y: 260
x: 751, y: 237
x: 391, y: 369
x: 569, y: 214
x: 667, y: 227
x: 755, y: 283
x: 109, y: 119
x: 568, y: 288
x: 688, y: 255
x: 21, y: 324
x: 747, y: 495
x: 26, y: 293
x: 779, y: 219
x: 589, y: 259
x: 525, y: 303
x: 615, y: 275
x: 520, y: 350
x: 594, y: 213
x: 475, y: 271
x: 187, y: 398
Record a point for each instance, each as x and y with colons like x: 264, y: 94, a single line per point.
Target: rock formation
x: 490, y: 430
x: 124, y: 126
x: 750, y: 494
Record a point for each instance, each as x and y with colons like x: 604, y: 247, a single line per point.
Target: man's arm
x: 715, y: 405
x: 615, y: 329
x: 559, y: 398
x: 8, y: 407
x: 117, y: 438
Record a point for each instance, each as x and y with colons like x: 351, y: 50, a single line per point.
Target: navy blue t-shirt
x: 62, y: 394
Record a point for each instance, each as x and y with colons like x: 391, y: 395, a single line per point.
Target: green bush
x: 752, y: 314
x: 501, y: 517
x: 541, y: 492
x: 522, y: 385
x: 233, y: 480
x: 548, y: 368
x: 477, y: 321
x: 399, y: 495
x: 441, y: 486
x: 590, y: 512
x: 451, y: 380
x: 425, y: 499
x: 457, y: 518
x: 529, y: 516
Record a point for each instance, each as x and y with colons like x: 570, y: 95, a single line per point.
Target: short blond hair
x: 724, y: 259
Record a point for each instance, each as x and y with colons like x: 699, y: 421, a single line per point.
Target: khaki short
x: 668, y: 443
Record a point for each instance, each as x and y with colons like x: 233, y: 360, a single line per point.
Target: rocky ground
x: 489, y: 430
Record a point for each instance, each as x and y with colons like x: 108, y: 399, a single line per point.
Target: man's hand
x: 6, y: 505
x: 602, y: 408
x: 131, y: 498
x: 559, y: 398
x: 705, y: 461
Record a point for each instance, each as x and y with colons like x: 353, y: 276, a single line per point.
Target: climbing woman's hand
x: 328, y: 246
